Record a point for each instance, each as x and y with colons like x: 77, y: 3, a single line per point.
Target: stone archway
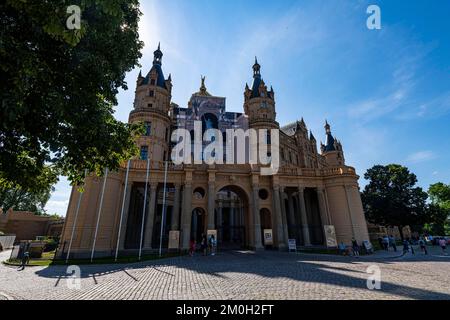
x: 232, y: 218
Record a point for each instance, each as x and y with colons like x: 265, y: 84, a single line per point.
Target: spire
x: 256, y: 69
x: 330, y: 142
x: 311, y: 136
x: 158, y: 55
x: 327, y: 127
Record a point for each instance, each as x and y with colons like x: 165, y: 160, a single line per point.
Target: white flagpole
x: 145, y: 209
x: 75, y: 221
x: 122, y: 211
x: 99, y: 214
x: 163, y: 209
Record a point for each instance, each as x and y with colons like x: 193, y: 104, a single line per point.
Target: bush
x: 50, y: 245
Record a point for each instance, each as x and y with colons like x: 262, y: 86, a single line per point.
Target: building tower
x: 259, y: 103
x: 332, y: 149
x: 152, y: 106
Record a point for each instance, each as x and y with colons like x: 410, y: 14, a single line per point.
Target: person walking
x: 443, y: 245
x: 25, y: 261
x: 423, y: 246
x: 355, y: 247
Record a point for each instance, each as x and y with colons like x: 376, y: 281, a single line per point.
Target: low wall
x: 27, y: 225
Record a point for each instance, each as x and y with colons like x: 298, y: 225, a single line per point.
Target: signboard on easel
x: 292, y: 245
x: 330, y: 236
x: 268, y: 237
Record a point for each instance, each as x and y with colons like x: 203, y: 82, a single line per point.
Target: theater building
x: 312, y: 188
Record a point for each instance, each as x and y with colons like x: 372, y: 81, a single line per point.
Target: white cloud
x: 421, y: 156
x: 57, y: 206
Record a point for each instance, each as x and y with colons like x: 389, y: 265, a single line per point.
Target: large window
x: 148, y: 128
x: 144, y: 153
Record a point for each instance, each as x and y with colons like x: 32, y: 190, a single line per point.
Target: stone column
x: 304, y: 216
x: 150, y: 217
x: 256, y: 219
x: 291, y: 212
x: 219, y: 220
x: 283, y: 214
x: 186, y: 216
x: 322, y: 207
x: 126, y: 212
x: 176, y: 210
x: 211, y: 205
x: 279, y: 228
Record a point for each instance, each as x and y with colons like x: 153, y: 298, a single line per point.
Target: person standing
x: 405, y: 247
x: 386, y: 243
x: 212, y: 244
x: 380, y: 242
x: 355, y: 247
x: 423, y: 246
x: 443, y: 245
x: 192, y: 247
x: 342, y: 248
x: 204, y: 245
x: 392, y: 243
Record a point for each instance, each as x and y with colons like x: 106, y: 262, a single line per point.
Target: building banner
x: 330, y: 235
x: 174, y: 240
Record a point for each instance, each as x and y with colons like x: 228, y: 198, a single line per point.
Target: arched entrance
x: 232, y: 219
x: 198, y: 224
x: 266, y: 221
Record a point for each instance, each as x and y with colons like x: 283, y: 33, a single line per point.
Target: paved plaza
x: 239, y: 275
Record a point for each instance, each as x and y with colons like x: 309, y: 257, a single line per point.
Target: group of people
x: 354, y: 250
x: 208, y: 245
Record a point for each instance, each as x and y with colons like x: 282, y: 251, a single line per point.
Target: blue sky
x: 385, y: 92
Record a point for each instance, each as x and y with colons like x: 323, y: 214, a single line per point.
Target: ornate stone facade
x: 311, y: 189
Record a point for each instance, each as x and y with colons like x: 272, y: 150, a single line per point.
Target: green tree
x: 59, y: 87
x: 439, y: 194
x: 392, y: 198
x: 33, y: 200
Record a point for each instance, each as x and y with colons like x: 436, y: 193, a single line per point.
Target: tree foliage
x: 59, y: 87
x: 32, y: 199
x: 439, y: 208
x: 392, y: 198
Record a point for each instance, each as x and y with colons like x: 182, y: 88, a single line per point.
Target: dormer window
x: 151, y: 93
x: 152, y: 82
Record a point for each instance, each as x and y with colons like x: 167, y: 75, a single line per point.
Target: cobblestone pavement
x: 239, y: 275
